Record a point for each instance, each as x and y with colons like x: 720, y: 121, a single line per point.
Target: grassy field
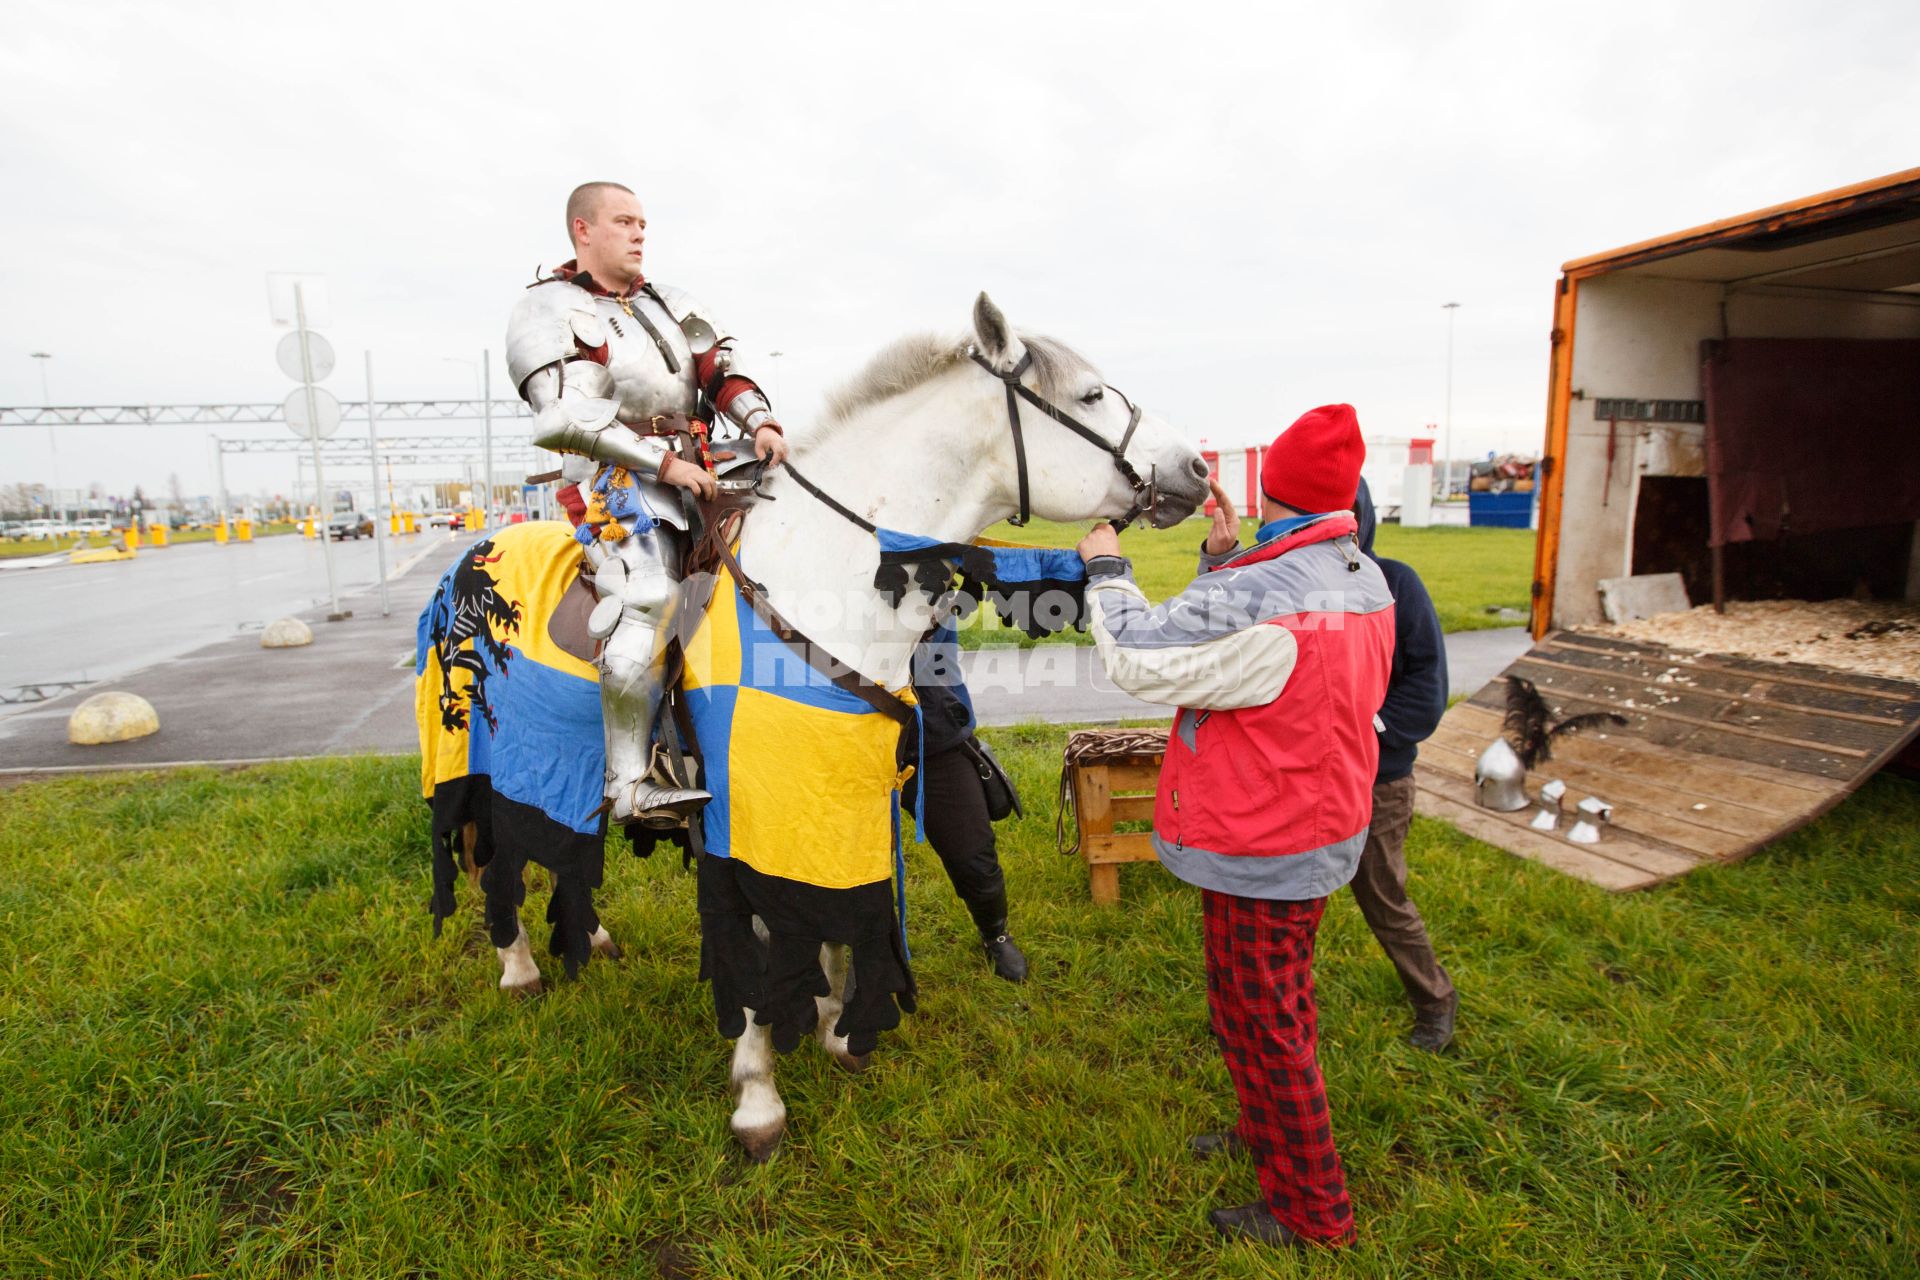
x: 10, y: 547
x: 1471, y: 573
x: 231, y: 1047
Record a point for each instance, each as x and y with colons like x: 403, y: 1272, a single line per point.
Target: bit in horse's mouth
x: 1166, y: 515
x: 1170, y: 509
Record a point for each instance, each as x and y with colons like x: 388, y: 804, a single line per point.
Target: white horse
x: 920, y: 442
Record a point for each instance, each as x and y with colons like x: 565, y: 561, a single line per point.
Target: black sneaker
x: 1008, y: 960
x: 1253, y: 1222
x: 1209, y: 1145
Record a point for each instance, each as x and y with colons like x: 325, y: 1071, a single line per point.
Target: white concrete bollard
x: 287, y: 633
x: 111, y: 717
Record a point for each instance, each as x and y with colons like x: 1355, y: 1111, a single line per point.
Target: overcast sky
x: 1237, y: 211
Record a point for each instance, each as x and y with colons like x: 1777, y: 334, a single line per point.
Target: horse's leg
x: 598, y: 938
x: 504, y: 886
x: 603, y: 943
x: 835, y: 960
x: 519, y: 975
x: 469, y: 841
x: 760, y: 1117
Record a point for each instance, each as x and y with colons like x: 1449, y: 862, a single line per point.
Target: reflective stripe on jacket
x: 1277, y: 658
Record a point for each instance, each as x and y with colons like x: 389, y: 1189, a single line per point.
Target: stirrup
x: 650, y: 804
x: 661, y: 769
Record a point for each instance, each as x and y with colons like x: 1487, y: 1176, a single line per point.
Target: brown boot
x: 1433, y: 1028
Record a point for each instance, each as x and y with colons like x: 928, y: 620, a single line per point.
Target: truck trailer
x: 1733, y: 415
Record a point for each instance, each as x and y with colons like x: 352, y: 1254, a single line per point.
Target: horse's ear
x: 998, y: 343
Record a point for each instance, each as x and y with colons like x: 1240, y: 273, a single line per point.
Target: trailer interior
x: 1737, y: 404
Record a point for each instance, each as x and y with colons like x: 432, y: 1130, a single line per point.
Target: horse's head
x: 1070, y: 421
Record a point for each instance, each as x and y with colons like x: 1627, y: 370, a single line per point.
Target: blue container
x: 1500, y: 510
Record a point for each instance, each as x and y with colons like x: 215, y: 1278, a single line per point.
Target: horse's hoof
x: 853, y: 1063
x: 761, y: 1144
x: 610, y: 949
x: 525, y: 991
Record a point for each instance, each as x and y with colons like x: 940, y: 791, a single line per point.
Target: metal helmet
x: 1499, y: 779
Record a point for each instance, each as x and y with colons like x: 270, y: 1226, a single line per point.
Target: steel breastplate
x: 644, y: 385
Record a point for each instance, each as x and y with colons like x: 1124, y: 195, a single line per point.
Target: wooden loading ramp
x: 1720, y: 756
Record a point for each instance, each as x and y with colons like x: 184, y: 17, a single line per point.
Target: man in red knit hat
x: 1277, y: 657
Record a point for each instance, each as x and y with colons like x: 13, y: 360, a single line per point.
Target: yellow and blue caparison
x: 804, y: 775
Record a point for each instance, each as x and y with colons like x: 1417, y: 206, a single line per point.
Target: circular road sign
x: 326, y: 411
x: 318, y: 349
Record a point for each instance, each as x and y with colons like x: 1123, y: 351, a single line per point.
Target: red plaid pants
x: 1260, y: 996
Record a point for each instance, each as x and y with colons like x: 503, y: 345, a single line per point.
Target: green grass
x: 1471, y: 573
x: 10, y: 547
x: 231, y: 1047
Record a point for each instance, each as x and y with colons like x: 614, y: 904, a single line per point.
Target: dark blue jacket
x: 1417, y: 689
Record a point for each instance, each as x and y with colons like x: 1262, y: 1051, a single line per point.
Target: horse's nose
x: 1200, y: 468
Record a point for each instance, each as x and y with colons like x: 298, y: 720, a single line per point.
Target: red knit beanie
x: 1314, y: 465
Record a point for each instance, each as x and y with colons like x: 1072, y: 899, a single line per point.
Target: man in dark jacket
x: 1416, y: 699
x: 957, y: 823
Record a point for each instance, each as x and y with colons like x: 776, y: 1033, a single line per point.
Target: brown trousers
x: 1380, y: 887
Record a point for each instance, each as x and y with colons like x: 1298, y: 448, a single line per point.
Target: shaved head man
x: 637, y: 385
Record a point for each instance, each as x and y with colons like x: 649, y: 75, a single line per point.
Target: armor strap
x: 663, y: 424
x: 666, y: 352
x: 682, y: 729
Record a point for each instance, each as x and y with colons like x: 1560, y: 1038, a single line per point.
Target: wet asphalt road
x: 98, y: 622
x: 180, y: 628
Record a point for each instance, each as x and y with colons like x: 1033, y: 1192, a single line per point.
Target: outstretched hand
x: 1101, y: 541
x: 1225, y: 534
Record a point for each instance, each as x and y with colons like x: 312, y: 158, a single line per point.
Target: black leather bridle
x: 1145, y: 492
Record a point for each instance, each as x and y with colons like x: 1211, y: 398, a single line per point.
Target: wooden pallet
x: 1721, y: 755
x: 1106, y: 794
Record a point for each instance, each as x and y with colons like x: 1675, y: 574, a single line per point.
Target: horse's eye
x: 1093, y: 397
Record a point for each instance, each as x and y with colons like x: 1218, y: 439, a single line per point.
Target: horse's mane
x: 920, y: 357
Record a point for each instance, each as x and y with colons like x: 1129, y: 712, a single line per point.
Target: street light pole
x: 486, y: 433
x: 53, y: 446
x: 220, y: 475
x: 1446, y: 462
x: 335, y: 613
x: 379, y: 525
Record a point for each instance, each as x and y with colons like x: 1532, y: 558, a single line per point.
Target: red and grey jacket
x: 1277, y: 657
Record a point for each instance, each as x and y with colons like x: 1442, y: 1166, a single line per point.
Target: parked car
x: 350, y: 524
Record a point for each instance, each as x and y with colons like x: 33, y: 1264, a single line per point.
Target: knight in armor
x: 628, y: 380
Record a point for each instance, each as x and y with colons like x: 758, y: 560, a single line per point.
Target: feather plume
x: 1526, y: 721
x: 1591, y: 720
